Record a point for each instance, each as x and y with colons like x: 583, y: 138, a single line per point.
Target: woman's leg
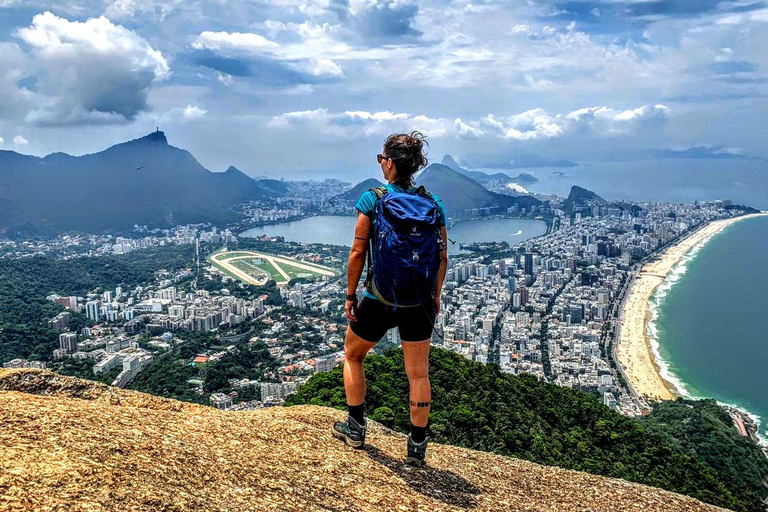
x: 355, y: 349
x: 416, y: 356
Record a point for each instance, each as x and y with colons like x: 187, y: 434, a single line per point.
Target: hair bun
x: 407, y: 151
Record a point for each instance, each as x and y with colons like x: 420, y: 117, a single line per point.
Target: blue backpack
x: 405, y: 245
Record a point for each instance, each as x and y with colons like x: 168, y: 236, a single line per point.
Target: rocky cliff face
x: 69, y: 444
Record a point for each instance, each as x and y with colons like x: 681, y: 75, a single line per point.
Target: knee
x: 356, y: 356
x: 417, y: 373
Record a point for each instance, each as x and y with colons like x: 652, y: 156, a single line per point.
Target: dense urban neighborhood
x: 548, y: 306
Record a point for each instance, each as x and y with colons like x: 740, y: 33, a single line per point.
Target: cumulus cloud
x: 174, y: 115
x: 535, y: 124
x: 227, y: 42
x: 14, y: 67
x: 383, y: 20
x: 192, y: 112
x: 20, y: 141
x: 2, y: 140
x: 609, y: 121
x: 94, y: 72
x: 253, y: 55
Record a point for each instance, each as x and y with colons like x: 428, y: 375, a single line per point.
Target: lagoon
x: 339, y: 230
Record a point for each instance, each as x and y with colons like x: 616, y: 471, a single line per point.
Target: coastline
x: 635, y: 350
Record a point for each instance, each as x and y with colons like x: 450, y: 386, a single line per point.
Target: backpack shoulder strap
x: 379, y: 191
x: 423, y: 191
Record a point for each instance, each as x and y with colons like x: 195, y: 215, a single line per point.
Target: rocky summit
x: 74, y: 445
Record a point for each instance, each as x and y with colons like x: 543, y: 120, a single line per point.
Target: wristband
x: 352, y: 296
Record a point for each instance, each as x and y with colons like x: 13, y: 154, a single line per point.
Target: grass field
x: 252, y: 269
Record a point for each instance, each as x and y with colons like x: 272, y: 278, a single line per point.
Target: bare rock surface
x: 73, y: 445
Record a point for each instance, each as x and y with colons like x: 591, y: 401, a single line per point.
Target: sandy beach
x: 633, y: 351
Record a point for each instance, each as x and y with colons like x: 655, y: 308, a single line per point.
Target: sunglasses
x: 381, y: 157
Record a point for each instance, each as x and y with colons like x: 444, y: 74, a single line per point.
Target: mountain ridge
x: 354, y: 193
x: 460, y: 193
x: 142, y: 181
x: 81, y: 445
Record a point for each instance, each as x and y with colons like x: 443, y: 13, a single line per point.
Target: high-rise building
x: 68, y: 342
x: 325, y: 363
x: 60, y: 321
x: 523, y: 295
x: 107, y: 297
x: 93, y: 310
x: 529, y: 264
x: 511, y: 284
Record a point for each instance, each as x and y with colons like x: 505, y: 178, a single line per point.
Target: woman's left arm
x: 356, y: 261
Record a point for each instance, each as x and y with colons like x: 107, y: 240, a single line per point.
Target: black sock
x: 418, y: 434
x: 357, y: 412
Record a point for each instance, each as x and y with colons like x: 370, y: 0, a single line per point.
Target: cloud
x: 729, y: 66
x: 535, y: 124
x: 127, y: 9
x: 2, y: 140
x: 253, y: 55
x: 192, y: 112
x: 226, y: 42
x: 384, y: 20
x: 94, y: 72
x: 173, y: 116
x: 14, y: 67
x: 20, y: 141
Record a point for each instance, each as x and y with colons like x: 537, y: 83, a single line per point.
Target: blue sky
x: 290, y: 87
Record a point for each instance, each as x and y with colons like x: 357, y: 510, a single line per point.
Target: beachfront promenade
x: 633, y: 351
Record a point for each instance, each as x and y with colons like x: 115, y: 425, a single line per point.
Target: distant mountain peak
x: 580, y: 196
x: 354, y: 193
x: 449, y: 161
x: 156, y: 137
x: 232, y: 168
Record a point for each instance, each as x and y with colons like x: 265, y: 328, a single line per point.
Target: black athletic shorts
x: 375, y: 318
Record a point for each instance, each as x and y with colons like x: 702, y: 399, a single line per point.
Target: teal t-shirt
x: 367, y: 202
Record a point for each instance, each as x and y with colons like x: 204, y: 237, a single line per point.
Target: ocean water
x: 339, y: 230
x: 709, y: 324
x: 743, y: 181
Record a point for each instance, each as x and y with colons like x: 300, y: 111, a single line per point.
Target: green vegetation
x: 254, y: 270
x: 24, y: 311
x: 476, y: 406
x: 168, y: 374
x: 704, y: 428
x: 84, y: 370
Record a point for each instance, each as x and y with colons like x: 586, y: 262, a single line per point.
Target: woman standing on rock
x: 401, y: 233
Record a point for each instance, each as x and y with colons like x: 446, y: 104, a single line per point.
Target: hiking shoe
x: 351, y: 432
x: 417, y: 453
